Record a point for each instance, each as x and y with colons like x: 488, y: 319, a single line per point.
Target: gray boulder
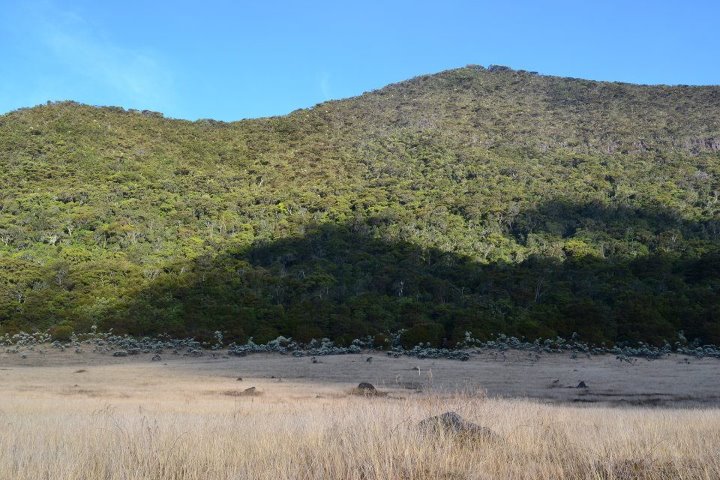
x: 367, y: 390
x: 453, y: 424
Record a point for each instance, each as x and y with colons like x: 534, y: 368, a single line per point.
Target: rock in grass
x: 248, y: 392
x: 368, y: 390
x: 454, y: 424
x: 156, y: 358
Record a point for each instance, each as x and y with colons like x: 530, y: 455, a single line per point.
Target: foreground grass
x: 284, y: 433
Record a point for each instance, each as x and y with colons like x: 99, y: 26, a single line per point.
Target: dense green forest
x: 478, y: 199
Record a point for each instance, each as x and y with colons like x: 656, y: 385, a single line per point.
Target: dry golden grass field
x: 87, y: 416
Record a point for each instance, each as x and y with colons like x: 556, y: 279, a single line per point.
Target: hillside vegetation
x: 482, y: 200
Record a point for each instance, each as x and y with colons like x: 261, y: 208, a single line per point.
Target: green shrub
x: 61, y: 332
x: 432, y: 333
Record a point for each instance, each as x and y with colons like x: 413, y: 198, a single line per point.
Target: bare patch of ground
x: 673, y: 381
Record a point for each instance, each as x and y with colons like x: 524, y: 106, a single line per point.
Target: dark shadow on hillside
x: 614, y: 223
x: 339, y: 281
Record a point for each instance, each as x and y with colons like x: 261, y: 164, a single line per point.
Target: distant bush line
x: 393, y: 344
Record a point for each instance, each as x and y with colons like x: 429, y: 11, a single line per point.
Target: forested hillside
x: 483, y: 200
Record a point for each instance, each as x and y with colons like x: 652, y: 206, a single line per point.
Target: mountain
x: 478, y: 199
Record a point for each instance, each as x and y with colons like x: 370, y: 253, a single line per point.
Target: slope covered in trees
x: 487, y: 200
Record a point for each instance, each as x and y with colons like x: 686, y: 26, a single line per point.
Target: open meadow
x: 90, y: 416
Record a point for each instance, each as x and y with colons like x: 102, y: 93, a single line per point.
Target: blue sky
x: 229, y: 60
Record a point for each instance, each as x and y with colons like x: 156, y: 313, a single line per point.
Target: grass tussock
x: 280, y: 436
